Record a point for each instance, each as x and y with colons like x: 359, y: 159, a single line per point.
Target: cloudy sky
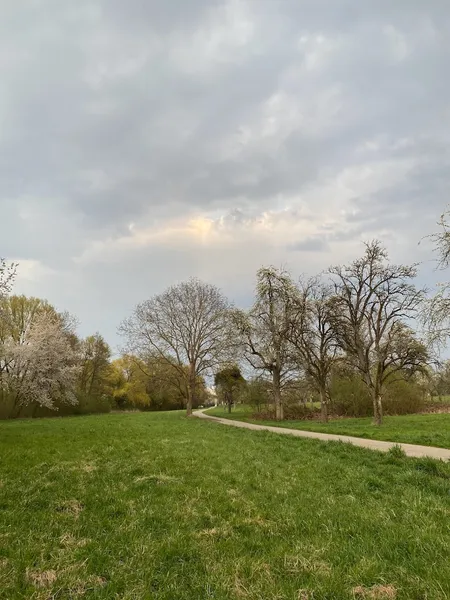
x: 142, y: 142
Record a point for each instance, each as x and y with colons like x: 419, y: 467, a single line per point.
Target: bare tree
x: 374, y: 301
x: 313, y: 336
x: 441, y: 240
x: 187, y: 326
x: 435, y: 316
x: 7, y: 276
x: 265, y: 329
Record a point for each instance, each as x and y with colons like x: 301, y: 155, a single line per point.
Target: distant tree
x: 95, y: 355
x: 257, y: 392
x: 42, y: 367
x: 229, y: 383
x: 18, y: 313
x: 186, y: 326
x: 441, y: 379
x: 128, y: 382
x: 151, y: 384
x: 373, y: 301
x: 313, y: 336
x: 265, y: 330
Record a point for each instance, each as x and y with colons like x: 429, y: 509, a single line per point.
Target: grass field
x: 157, y: 506
x: 424, y: 429
x: 442, y: 399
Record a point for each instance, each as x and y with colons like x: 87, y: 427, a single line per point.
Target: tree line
x: 362, y: 334
x: 46, y: 369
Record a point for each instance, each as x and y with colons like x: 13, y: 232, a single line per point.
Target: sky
x: 143, y: 142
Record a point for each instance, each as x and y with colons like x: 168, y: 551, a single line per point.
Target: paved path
x: 409, y: 449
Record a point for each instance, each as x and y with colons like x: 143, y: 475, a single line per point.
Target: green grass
x: 441, y: 399
x: 424, y: 429
x: 160, y: 507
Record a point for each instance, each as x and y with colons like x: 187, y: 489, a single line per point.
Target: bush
x: 403, y: 398
x: 88, y: 405
x: 298, y: 412
x: 257, y: 394
x: 351, y: 398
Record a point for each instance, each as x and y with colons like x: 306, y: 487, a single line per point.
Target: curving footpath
x: 409, y: 449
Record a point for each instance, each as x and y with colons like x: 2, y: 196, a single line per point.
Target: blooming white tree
x: 41, y: 367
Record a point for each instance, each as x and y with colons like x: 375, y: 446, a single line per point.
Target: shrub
x: 297, y: 412
x: 350, y: 396
x: 257, y: 394
x: 403, y: 398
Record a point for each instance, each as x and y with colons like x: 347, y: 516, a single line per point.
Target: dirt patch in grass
x: 160, y: 479
x: 41, y: 579
x: 215, y: 532
x: 70, y: 541
x: 376, y: 592
x: 71, y: 507
x: 299, y: 564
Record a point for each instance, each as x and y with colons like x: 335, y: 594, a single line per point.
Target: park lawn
x: 161, y: 507
x: 425, y: 429
x: 441, y: 399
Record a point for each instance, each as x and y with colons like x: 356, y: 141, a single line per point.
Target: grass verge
x: 424, y: 429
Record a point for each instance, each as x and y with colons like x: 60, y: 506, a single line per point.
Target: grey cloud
x: 157, y: 16
x: 115, y: 113
x: 312, y: 244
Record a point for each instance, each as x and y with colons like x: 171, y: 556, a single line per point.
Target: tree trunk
x: 191, y: 390
x: 377, y: 407
x: 323, y: 406
x: 380, y: 409
x: 189, y: 402
x: 276, y: 379
x: 15, y: 409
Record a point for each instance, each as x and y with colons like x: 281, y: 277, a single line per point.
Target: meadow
x: 428, y: 429
x: 161, y: 507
